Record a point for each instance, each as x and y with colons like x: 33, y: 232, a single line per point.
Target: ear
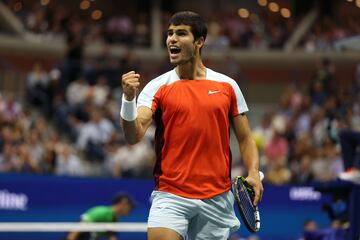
x: 200, y: 42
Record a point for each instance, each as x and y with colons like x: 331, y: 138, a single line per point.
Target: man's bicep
x: 241, y: 126
x: 144, y: 117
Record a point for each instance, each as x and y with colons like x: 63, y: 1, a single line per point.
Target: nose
x: 172, y: 38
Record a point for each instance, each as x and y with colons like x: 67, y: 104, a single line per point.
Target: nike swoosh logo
x: 213, y: 92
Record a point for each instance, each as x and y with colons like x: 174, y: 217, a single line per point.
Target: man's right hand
x: 130, y: 84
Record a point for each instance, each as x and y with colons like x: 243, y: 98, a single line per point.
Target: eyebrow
x: 177, y: 30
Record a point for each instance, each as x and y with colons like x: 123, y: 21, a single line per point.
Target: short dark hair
x: 119, y: 197
x: 192, y: 19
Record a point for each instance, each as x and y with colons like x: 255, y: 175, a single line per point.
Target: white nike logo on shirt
x: 213, y: 92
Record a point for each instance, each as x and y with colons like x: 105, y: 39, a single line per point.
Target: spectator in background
x: 67, y: 163
x: 100, y: 91
x: 69, y: 113
x: 10, y: 109
x: 142, y: 30
x: 55, y: 91
x: 317, y: 92
x: 36, y: 20
x: 262, y: 135
x: 121, y: 206
x: 303, y: 174
x: 350, y: 151
x: 310, y: 231
x: 7, y: 157
x: 326, y: 164
x: 119, y: 29
x: 77, y: 92
x: 36, y: 147
x: 276, y: 153
x: 132, y: 160
x: 349, y: 137
x: 23, y: 162
x: 7, y: 136
x: 94, y: 134
x: 58, y: 21
x: 48, y: 163
x: 325, y: 74
x: 107, y: 65
x: 216, y: 39
x: 265, y: 129
x: 38, y: 83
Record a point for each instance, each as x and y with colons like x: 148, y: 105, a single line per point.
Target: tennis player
x: 192, y: 106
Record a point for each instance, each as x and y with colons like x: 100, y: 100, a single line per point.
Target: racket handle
x: 261, y: 175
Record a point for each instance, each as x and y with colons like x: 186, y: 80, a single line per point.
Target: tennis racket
x: 244, y: 195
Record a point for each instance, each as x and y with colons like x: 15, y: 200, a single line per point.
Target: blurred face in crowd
x: 123, y: 207
x: 182, y: 47
x: 8, y: 150
x: 310, y: 226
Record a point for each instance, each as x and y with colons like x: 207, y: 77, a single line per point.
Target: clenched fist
x: 130, y: 83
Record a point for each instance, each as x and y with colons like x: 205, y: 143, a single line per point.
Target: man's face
x: 180, y: 44
x: 123, y: 208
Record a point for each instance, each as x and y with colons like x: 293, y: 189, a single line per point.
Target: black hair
x: 121, y: 196
x: 192, y: 19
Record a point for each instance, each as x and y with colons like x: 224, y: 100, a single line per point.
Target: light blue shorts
x: 199, y: 219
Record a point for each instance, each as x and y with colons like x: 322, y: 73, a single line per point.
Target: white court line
x: 68, y: 226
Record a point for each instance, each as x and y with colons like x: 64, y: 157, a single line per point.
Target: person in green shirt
x: 121, y: 206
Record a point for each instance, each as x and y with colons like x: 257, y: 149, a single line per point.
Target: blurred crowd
x: 301, y: 140
x: 71, y: 127
x: 69, y: 121
x: 226, y: 29
x: 327, y: 31
x: 260, y: 30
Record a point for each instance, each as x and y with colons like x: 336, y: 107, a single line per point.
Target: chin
x: 174, y: 62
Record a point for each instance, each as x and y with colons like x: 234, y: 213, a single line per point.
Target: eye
x: 181, y: 33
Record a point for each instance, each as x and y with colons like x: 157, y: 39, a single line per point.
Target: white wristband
x: 128, y: 109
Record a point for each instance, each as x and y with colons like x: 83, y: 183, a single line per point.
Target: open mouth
x: 174, y: 50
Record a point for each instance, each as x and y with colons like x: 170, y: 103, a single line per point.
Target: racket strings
x: 246, y: 203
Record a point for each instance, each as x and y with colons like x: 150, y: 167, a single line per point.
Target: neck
x: 193, y: 69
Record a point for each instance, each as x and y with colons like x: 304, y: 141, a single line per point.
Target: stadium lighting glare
x: 262, y: 2
x: 44, y: 2
x: 285, y: 12
x: 243, y: 13
x: 274, y: 7
x: 96, y: 14
x: 357, y: 3
x: 85, y: 4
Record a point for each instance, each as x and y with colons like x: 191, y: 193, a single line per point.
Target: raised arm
x: 249, y: 154
x: 134, y: 121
